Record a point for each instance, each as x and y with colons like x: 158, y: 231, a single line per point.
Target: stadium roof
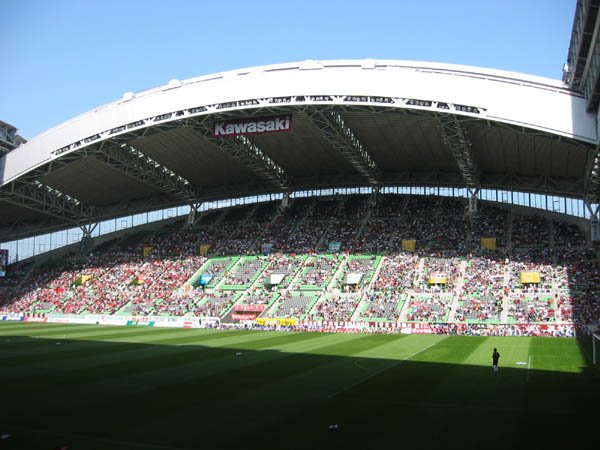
x: 296, y: 126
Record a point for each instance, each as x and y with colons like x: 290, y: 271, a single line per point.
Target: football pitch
x: 100, y: 387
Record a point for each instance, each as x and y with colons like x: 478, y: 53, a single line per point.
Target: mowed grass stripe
x: 93, y: 333
x: 97, y: 339
x: 415, y: 381
x: 304, y: 380
x: 108, y: 365
x: 147, y: 375
x: 9, y: 324
x: 252, y: 383
x: 558, y: 354
x: 84, y: 355
x: 447, y: 354
x: 277, y: 394
x: 27, y: 403
x: 512, y: 351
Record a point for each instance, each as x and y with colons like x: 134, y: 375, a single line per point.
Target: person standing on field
x: 495, y: 358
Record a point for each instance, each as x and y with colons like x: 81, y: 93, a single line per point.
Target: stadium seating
x: 446, y: 279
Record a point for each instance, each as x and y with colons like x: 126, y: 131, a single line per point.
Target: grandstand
x: 324, y: 195
x: 319, y: 254
x: 439, y: 285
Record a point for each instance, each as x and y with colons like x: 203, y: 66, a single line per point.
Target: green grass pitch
x: 100, y: 387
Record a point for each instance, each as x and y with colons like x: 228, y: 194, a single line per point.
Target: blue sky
x: 64, y: 57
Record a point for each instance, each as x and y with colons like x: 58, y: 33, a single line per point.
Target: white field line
x: 373, y: 374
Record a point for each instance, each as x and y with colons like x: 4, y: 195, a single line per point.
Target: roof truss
x: 455, y: 137
x: 343, y: 139
x: 42, y: 198
x: 246, y: 152
x: 141, y: 167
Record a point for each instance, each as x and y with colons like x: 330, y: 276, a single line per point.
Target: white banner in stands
x: 169, y: 322
x: 113, y: 320
x: 12, y: 316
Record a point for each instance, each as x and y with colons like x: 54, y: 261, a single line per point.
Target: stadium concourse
x: 394, y: 264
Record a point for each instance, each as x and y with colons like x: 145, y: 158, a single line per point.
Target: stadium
x: 309, y: 255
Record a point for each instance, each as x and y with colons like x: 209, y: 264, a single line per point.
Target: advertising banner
x: 274, y: 321
x: 203, y: 249
x: 12, y: 316
x: 488, y: 243
x: 243, y: 316
x: 256, y: 125
x: 408, y: 245
x: 35, y: 319
x: 205, y: 278
x: 353, y: 278
x: 334, y: 246
x: 81, y: 279
x: 530, y: 277
x: 438, y: 278
x: 252, y: 308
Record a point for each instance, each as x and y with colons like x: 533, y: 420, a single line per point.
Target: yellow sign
x: 146, y: 250
x: 203, y: 249
x: 438, y: 278
x: 81, y: 279
x: 489, y: 243
x: 273, y: 321
x: 287, y: 322
x: 530, y: 277
x: 138, y: 280
x: 409, y: 245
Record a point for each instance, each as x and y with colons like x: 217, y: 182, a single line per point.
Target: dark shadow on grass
x: 114, y: 395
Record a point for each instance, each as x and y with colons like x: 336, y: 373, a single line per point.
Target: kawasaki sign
x: 257, y: 125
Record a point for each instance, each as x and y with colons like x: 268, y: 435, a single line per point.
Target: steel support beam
x: 592, y: 181
x: 456, y: 138
x: 344, y: 140
x: 141, y: 167
x: 42, y: 198
x: 249, y: 154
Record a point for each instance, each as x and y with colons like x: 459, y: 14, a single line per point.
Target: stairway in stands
x: 457, y: 294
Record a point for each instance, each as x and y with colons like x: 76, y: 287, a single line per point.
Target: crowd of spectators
x: 214, y: 304
x: 529, y: 231
x: 382, y: 305
x: 282, y: 264
x: 397, y: 272
x: 484, y: 276
x: 246, y: 271
x: 531, y: 308
x: 479, y: 309
x: 428, y: 308
x: 335, y: 307
x: 567, y: 234
x: 318, y: 271
x: 293, y: 305
x: 146, y: 274
x: 441, y: 264
x: 490, y: 222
